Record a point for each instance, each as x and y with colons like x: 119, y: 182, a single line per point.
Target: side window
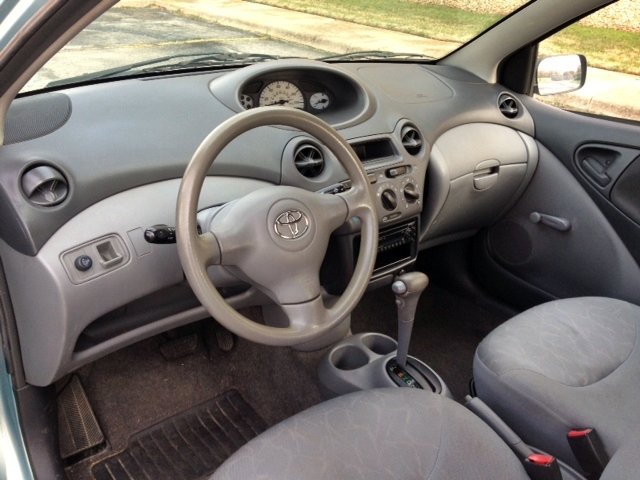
x: 610, y: 40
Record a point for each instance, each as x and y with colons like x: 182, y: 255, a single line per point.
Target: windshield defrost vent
x: 309, y: 161
x: 508, y: 106
x: 44, y: 186
x: 411, y: 139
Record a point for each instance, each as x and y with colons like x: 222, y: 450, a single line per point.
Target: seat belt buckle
x: 542, y: 467
x: 589, y: 451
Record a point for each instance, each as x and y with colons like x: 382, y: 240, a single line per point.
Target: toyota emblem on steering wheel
x: 291, y: 224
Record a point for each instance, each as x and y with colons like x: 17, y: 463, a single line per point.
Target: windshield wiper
x: 376, y: 55
x: 172, y: 63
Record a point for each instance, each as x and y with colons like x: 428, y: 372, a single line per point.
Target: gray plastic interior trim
x: 454, y: 203
x: 358, y: 363
x: 227, y: 88
x: 589, y: 259
x: 418, y: 86
x: 49, y: 328
x: 145, y: 145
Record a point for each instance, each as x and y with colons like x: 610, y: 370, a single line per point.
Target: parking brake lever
x: 407, y: 289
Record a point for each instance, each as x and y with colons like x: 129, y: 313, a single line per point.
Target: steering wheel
x: 276, y: 237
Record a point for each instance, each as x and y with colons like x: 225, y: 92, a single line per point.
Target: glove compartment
x: 476, y: 172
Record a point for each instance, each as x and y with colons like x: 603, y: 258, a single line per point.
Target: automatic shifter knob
x: 407, y: 289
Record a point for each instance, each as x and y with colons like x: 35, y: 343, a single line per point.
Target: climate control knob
x: 389, y: 200
x: 411, y: 193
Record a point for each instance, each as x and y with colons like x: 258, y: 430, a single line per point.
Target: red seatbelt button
x: 540, y: 459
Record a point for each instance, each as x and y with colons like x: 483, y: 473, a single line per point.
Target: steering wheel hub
x: 292, y: 225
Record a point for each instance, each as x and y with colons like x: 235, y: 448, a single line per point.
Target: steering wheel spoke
x: 208, y: 249
x: 357, y: 200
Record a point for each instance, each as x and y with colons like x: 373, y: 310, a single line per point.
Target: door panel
x: 626, y: 192
x: 588, y: 179
x: 603, y: 164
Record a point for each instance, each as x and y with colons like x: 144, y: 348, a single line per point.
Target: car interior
x: 317, y: 268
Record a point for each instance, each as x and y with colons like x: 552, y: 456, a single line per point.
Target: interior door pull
x: 557, y: 223
x: 596, y: 170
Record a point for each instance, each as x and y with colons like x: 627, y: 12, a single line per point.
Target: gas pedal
x: 224, y: 338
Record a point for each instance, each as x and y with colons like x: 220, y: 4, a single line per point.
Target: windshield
x: 137, y: 37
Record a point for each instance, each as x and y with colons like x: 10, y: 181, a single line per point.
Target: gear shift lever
x: 407, y: 289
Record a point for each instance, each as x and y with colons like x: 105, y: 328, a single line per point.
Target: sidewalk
x: 612, y: 93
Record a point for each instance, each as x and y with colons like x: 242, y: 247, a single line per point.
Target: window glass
x: 140, y: 37
x: 610, y: 39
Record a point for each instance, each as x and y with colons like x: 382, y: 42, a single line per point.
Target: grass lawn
x: 443, y: 23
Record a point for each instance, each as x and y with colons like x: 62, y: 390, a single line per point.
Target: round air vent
x: 508, y: 106
x: 411, y: 139
x: 44, y: 186
x: 309, y: 160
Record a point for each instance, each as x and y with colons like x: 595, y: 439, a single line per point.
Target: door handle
x: 596, y: 170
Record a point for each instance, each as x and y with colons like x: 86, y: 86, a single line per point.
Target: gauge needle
x: 286, y: 102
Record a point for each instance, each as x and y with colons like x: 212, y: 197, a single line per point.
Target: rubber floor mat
x: 187, y: 446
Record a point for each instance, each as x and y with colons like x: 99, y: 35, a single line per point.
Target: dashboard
x: 90, y: 169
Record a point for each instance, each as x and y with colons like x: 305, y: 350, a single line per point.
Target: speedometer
x: 282, y: 93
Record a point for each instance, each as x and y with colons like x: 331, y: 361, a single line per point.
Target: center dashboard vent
x: 508, y: 106
x: 411, y: 139
x: 309, y: 160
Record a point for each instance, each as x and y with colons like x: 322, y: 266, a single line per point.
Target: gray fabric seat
x: 377, y: 434
x: 567, y: 364
x: 625, y: 463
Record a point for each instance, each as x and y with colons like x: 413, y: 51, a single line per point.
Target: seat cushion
x: 626, y: 462
x: 377, y: 434
x: 566, y: 364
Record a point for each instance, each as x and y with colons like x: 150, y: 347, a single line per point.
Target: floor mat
x: 187, y: 446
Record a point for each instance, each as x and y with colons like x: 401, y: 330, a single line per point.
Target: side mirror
x: 560, y: 74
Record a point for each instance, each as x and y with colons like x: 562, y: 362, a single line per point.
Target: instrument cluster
x: 302, y: 94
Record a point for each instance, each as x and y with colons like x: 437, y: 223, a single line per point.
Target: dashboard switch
x: 161, y: 233
x: 396, y: 172
x: 411, y: 194
x: 83, y: 263
x: 389, y: 200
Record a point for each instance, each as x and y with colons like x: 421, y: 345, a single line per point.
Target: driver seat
x: 378, y: 434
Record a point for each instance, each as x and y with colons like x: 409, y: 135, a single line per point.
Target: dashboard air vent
x: 309, y: 160
x: 411, y: 139
x: 44, y: 186
x: 508, y: 106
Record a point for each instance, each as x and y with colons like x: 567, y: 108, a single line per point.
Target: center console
x: 368, y: 360
x: 373, y: 360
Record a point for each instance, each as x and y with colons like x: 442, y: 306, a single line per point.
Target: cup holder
x: 349, y: 357
x: 361, y: 362
x: 379, y: 344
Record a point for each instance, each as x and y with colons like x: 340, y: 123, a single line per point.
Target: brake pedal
x: 217, y: 339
